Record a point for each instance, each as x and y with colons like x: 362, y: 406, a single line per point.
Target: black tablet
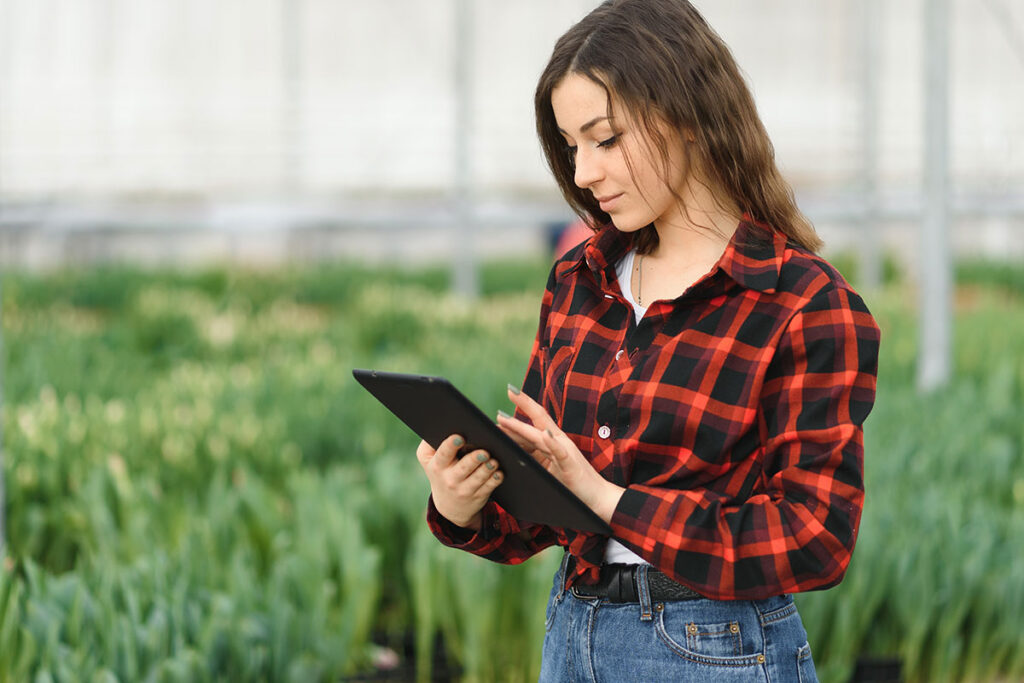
x: 434, y: 409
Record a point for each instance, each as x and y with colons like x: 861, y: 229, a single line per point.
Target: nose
x: 588, y: 168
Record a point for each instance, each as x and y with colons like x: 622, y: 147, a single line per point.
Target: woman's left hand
x: 553, y: 449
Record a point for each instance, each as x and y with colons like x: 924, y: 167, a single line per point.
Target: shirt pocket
x: 557, y: 363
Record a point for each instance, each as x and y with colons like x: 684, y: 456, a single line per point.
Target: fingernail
x: 458, y: 441
x: 490, y: 465
x: 497, y: 476
x: 514, y: 390
x: 481, y: 456
x: 502, y: 413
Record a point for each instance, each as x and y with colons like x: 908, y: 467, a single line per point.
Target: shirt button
x: 604, y: 432
x: 618, y: 354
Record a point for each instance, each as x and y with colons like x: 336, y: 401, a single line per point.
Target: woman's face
x: 600, y: 147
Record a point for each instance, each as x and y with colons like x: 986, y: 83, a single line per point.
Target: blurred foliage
x: 198, y: 490
x: 848, y: 264
x: 1003, y: 275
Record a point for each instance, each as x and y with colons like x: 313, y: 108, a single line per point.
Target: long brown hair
x: 661, y: 61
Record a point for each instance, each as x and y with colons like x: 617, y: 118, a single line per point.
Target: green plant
x: 198, y: 490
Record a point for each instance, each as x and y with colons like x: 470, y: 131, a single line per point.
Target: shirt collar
x: 753, y: 257
x: 599, y: 254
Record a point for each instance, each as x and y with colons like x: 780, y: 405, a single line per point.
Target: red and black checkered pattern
x: 732, y: 415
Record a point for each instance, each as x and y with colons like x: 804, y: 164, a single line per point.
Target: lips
x: 607, y: 202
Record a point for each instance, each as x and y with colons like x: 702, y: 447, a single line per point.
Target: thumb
x: 425, y: 452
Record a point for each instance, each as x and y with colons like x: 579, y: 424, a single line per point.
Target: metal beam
x: 5, y: 23
x: 870, y: 244
x: 936, y: 268
x: 465, y: 278
x: 291, y: 95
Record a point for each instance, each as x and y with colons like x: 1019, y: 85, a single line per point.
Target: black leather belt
x: 618, y: 583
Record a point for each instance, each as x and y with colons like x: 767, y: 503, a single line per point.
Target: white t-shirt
x: 615, y: 552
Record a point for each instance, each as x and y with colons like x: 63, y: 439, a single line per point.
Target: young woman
x: 700, y: 377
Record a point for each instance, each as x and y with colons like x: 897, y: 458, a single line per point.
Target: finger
x: 448, y: 450
x: 514, y: 428
x: 544, y: 459
x: 470, y: 463
x: 553, y: 444
x: 520, y: 441
x: 536, y: 449
x: 479, y: 476
x: 491, y: 483
x: 533, y: 410
x: 424, y: 453
x: 527, y: 436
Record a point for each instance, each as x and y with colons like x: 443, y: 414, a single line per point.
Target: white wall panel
x: 193, y: 98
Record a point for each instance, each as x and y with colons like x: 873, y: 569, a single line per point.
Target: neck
x: 702, y: 240
x: 700, y: 227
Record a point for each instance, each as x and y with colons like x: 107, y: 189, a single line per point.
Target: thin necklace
x: 639, y: 280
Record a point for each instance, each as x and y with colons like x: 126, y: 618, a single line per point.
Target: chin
x: 627, y: 225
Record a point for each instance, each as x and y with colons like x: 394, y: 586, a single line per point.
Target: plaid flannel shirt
x: 732, y: 415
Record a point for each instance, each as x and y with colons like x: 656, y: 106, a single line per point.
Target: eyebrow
x: 589, y: 124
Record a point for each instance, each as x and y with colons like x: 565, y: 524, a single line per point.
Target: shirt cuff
x: 627, y: 511
x: 492, y: 525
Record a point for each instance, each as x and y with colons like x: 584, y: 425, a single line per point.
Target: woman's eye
x: 610, y: 142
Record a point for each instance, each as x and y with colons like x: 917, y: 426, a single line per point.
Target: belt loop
x: 562, y: 569
x: 643, y: 591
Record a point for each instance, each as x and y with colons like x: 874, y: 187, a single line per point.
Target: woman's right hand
x: 460, y: 487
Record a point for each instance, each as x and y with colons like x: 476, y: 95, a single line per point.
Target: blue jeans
x: 593, y: 640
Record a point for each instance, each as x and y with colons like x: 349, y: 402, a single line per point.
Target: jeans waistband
x: 621, y: 583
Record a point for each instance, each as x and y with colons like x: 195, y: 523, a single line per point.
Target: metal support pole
x: 291, y: 94
x: 465, y: 278
x: 5, y: 22
x: 870, y: 242
x: 936, y: 262
x: 3, y: 453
